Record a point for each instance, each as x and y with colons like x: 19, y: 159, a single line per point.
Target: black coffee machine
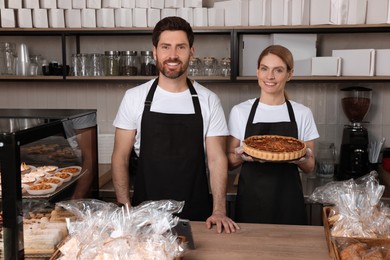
x: 354, y: 161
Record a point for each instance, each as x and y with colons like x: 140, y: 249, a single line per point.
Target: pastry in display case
x: 46, y: 156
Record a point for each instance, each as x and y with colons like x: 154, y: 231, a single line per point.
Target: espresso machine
x: 354, y: 161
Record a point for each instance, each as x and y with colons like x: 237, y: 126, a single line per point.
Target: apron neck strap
x: 194, y: 95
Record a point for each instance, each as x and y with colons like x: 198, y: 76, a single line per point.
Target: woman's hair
x: 282, y: 52
x: 172, y: 23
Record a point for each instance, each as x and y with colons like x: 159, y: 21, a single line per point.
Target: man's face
x: 173, y: 54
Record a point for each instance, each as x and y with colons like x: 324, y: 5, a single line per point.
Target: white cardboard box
x: 2, y: 4
x: 236, y: 12
x: 64, y: 4
x: 382, y: 62
x: 174, y: 3
x: 30, y: 4
x: 200, y: 16
x: 216, y: 16
x: 348, y: 12
x: 326, y: 66
x: 166, y: 12
x: 79, y: 4
x: 94, y: 4
x: 105, y: 18
x: 280, y: 10
x: 157, y: 4
x: 259, y: 12
x: 73, y: 18
x: 48, y: 4
x: 192, y: 3
x: 302, y: 67
x: 24, y: 18
x: 250, y: 48
x: 142, y: 4
x: 377, y: 11
x: 320, y: 12
x: 7, y: 17
x: 56, y: 18
x: 88, y: 18
x: 187, y: 14
x: 112, y: 4
x: 40, y: 19
x: 13, y: 4
x: 140, y: 18
x: 357, y: 11
x: 128, y: 3
x: 302, y: 46
x: 154, y: 15
x: 356, y: 62
x: 300, y: 12
x: 123, y: 17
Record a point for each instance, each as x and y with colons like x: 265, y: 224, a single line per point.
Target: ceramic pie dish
x: 274, y: 147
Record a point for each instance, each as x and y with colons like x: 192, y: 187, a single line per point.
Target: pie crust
x: 274, y: 147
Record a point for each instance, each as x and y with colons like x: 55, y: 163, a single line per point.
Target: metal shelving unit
x: 233, y: 32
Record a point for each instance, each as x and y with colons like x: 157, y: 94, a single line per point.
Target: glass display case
x: 37, y: 144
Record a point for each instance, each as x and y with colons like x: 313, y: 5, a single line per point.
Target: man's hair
x: 172, y: 23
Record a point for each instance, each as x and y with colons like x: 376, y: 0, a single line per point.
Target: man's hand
x: 223, y: 223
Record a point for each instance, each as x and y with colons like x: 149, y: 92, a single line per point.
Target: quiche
x: 274, y: 147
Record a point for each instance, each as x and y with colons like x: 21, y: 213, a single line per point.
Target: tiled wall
x: 322, y: 98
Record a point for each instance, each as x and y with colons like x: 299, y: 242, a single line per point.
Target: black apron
x: 270, y: 192
x: 172, y: 163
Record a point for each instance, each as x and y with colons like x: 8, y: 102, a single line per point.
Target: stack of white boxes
x: 146, y: 13
x: 98, y: 13
x: 302, y: 46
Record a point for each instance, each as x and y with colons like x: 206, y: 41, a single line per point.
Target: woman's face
x: 272, y: 74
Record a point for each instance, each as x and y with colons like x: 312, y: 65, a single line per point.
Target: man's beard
x: 170, y: 73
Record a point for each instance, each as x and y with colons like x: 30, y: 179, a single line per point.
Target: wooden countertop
x: 259, y: 241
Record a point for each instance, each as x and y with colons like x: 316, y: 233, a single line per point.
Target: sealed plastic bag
x: 105, y: 231
x: 358, y: 211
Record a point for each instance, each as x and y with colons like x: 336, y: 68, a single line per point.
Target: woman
x: 271, y: 192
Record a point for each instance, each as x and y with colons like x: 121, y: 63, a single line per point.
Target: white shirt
x: 307, y: 129
x: 132, y: 106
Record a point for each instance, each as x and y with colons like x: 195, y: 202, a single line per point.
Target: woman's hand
x: 308, y: 155
x: 239, y: 152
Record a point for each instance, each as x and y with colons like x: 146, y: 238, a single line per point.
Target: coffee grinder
x: 354, y: 161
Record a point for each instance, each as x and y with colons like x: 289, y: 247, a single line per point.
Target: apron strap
x: 252, y: 114
x: 290, y: 111
x: 194, y: 95
x: 149, y: 97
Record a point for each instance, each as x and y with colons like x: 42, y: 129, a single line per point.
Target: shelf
x: 234, y: 32
x: 325, y: 78
x: 105, y: 78
x: 208, y: 29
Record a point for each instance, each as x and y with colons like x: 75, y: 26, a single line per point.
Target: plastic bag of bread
x: 351, y: 248
x: 105, y: 231
x: 357, y: 211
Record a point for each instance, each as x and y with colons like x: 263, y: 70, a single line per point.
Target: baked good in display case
x: 74, y: 170
x: 45, y: 180
x: 274, y: 147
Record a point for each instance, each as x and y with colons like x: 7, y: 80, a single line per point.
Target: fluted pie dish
x: 275, y: 148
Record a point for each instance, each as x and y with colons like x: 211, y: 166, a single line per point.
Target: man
x: 172, y: 124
